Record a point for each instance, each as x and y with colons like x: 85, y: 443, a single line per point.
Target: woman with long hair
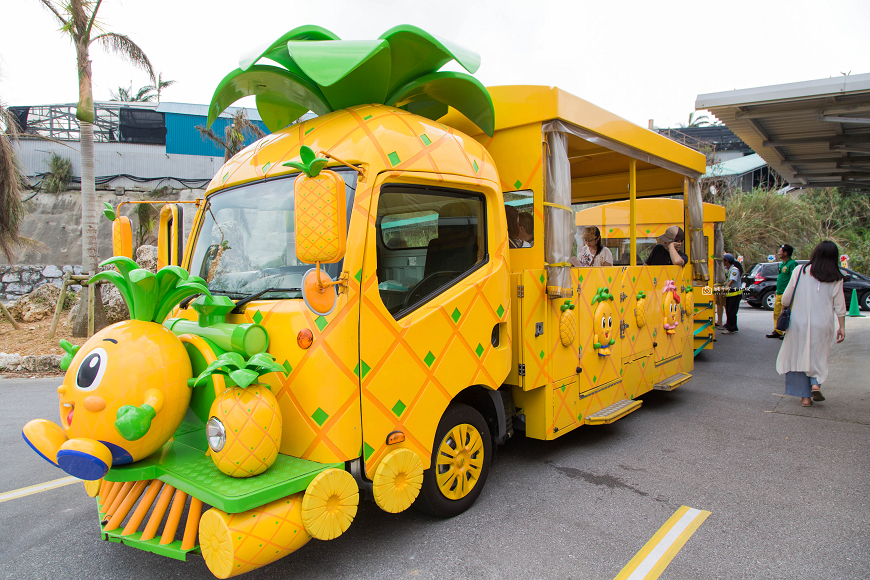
x: 818, y: 319
x: 593, y: 252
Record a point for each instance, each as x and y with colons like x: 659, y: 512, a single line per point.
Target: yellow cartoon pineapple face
x: 602, y: 322
x: 670, y: 307
x: 567, y: 324
x: 640, y: 309
x: 244, y: 426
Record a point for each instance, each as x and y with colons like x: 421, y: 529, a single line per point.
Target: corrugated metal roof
x: 813, y: 133
x: 736, y: 167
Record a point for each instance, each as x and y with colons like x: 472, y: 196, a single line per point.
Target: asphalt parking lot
x: 786, y: 488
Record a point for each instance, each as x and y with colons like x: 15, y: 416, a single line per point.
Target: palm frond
x: 11, y: 187
x: 122, y: 45
x: 53, y: 9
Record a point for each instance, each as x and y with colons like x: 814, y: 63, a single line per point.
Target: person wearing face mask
x: 668, y: 250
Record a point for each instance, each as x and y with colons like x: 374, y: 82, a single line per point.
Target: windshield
x: 247, y: 241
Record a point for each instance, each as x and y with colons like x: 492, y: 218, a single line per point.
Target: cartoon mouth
x: 69, y: 416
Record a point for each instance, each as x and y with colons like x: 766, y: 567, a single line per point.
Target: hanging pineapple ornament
x: 244, y: 426
x: 640, y: 309
x: 690, y: 302
x: 567, y: 324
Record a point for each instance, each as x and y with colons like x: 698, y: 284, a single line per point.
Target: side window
x: 771, y: 270
x: 519, y: 212
x: 427, y: 238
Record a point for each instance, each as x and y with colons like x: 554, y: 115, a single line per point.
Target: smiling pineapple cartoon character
x: 602, y: 322
x: 244, y: 426
x: 670, y: 307
x: 125, y: 391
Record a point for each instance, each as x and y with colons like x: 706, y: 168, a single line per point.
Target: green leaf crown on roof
x: 321, y: 73
x: 150, y: 297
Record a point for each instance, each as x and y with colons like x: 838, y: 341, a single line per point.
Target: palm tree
x: 696, y: 121
x: 321, y: 73
x: 11, y: 188
x: 143, y: 95
x: 234, y: 135
x: 160, y: 85
x: 78, y: 19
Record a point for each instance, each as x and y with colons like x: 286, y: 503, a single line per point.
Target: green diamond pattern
x: 399, y: 408
x: 425, y: 140
x: 456, y: 315
x: 563, y: 388
x: 287, y: 367
x: 541, y: 354
x: 367, y: 117
x: 647, y: 231
x: 358, y: 276
x: 309, y: 130
x: 609, y: 279
x: 430, y: 358
x: 367, y: 451
x: 474, y: 164
x: 518, y: 184
x: 226, y: 176
x: 258, y: 317
x: 267, y: 166
x: 394, y: 158
x: 320, y: 416
x: 500, y: 311
x: 479, y: 350
x: 365, y: 369
x: 320, y: 322
x: 594, y: 379
x: 542, y: 278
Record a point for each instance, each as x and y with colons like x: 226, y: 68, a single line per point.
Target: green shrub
x: 59, y: 174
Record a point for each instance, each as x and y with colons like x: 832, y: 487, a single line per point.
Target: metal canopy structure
x: 813, y: 133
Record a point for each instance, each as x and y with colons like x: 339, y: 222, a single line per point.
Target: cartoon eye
x: 92, y: 369
x: 603, y: 322
x: 610, y: 322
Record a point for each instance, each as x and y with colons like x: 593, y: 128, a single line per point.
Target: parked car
x: 759, y: 285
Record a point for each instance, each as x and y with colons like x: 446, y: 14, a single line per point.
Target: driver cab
x: 428, y: 238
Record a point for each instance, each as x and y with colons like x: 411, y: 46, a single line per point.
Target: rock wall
x: 16, y: 281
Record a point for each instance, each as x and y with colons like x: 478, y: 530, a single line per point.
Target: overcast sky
x: 639, y: 59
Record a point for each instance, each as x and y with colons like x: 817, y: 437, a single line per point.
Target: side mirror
x: 122, y: 237
x: 321, y: 227
x: 170, y: 236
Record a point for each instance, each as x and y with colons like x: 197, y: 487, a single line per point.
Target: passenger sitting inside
x: 594, y: 252
x: 667, y: 251
x: 526, y: 230
x: 513, y: 226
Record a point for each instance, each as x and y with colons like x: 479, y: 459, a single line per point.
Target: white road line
x: 24, y: 491
x: 654, y: 557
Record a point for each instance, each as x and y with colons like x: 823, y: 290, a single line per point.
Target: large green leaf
x: 277, y: 51
x: 168, y: 278
x: 124, y: 264
x: 461, y: 91
x: 143, y: 288
x: 169, y: 301
x: 244, y: 377
x: 276, y: 83
x: 233, y: 358
x: 120, y: 282
x: 264, y: 364
x: 278, y: 111
x: 349, y: 72
x: 416, y: 53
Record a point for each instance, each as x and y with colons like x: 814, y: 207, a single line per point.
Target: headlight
x: 216, y: 434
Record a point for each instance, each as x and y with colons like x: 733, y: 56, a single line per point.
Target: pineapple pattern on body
x: 245, y: 423
x: 640, y: 309
x: 567, y: 324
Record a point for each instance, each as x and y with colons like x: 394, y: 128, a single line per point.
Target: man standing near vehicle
x: 785, y: 269
x: 733, y: 293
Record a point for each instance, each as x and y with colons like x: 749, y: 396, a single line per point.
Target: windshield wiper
x: 251, y: 297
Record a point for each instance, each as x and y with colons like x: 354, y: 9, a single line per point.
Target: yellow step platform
x: 614, y: 412
x: 672, y: 382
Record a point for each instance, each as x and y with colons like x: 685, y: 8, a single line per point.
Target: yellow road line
x: 38, y: 488
x: 654, y: 557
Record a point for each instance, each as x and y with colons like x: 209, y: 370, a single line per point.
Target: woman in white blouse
x: 818, y: 319
x: 594, y: 252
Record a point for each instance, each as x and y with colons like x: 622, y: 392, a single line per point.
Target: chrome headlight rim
x: 215, y: 434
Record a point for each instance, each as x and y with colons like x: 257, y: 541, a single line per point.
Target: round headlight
x: 216, y: 434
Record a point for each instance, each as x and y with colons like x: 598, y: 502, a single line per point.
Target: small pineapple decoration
x: 567, y: 324
x: 244, y: 426
x: 640, y: 309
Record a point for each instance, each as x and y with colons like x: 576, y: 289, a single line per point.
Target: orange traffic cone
x: 853, y: 305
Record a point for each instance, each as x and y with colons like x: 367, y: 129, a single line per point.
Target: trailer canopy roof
x: 814, y: 133
x: 600, y: 144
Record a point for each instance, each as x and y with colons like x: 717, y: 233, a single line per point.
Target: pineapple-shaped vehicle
x: 244, y: 425
x: 125, y: 391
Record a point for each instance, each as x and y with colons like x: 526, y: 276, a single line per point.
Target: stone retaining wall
x: 16, y: 281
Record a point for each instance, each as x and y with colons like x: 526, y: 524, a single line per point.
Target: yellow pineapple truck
x: 654, y: 216
x: 370, y: 301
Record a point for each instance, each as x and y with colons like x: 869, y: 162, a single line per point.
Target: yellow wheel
x: 216, y: 544
x: 329, y: 504
x: 92, y: 488
x: 398, y: 480
x: 461, y: 458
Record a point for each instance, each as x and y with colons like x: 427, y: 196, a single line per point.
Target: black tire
x: 754, y: 304
x: 431, y: 499
x: 864, y: 301
x: 768, y: 299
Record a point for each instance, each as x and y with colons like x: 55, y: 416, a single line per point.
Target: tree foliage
x: 11, y: 186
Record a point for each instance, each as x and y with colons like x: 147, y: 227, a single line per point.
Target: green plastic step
x: 188, y: 468
x: 170, y: 550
